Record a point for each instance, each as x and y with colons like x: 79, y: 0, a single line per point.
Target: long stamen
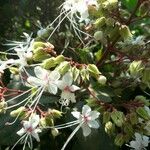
x: 19, y: 95
x: 71, y: 135
x: 18, y: 141
x: 25, y: 142
x: 58, y: 24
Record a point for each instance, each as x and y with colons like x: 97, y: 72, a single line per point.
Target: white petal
x: 21, y: 132
x: 86, y: 109
x: 138, y: 137
x: 76, y: 114
x: 61, y: 85
x: 54, y: 75
x: 36, y: 136
x: 145, y: 141
x: 67, y: 79
x: 94, y: 115
x: 74, y: 88
x: 93, y: 124
x: 135, y: 145
x: 34, y: 120
x: 40, y: 72
x: 52, y: 88
x: 35, y: 81
x: 86, y: 130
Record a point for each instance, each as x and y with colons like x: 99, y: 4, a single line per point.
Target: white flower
x: 87, y: 118
x: 140, y: 142
x: 44, y: 78
x: 79, y: 6
x: 67, y: 88
x: 5, y: 64
x: 30, y: 127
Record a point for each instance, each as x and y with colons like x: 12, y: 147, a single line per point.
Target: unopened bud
x: 20, y: 111
x: 55, y: 132
x: 98, y: 35
x: 59, y: 59
x: 119, y: 140
x: 143, y: 113
x: 102, y: 79
x: 106, y: 117
x: 100, y: 22
x: 125, y: 32
x: 49, y: 63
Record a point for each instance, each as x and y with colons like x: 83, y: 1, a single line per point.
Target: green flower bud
x: 40, y: 55
x: 49, y: 63
x: 110, y: 22
x: 20, y: 111
x: 133, y: 118
x: 100, y: 22
x: 59, y: 59
x: 110, y: 128
x: 3, y: 106
x: 128, y: 129
x: 136, y: 69
x: 76, y: 73
x: 102, y: 79
x: 54, y: 113
x: 118, y: 118
x: 125, y: 32
x: 14, y: 70
x: 146, y: 76
x: 93, y: 69
x: 43, y: 122
x: 84, y: 74
x: 55, y: 132
x: 63, y: 67
x: 119, y: 140
x: 37, y: 45
x: 98, y: 35
x: 147, y: 128
x: 142, y: 99
x: 143, y: 113
x: 106, y: 117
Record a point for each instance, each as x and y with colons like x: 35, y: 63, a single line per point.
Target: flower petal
x: 34, y: 120
x: 54, y: 75
x: 76, y: 114
x: 86, y: 130
x: 93, y: 124
x: 36, y: 136
x: 21, y: 132
x: 94, y: 115
x: 52, y: 88
x: 67, y: 79
x: 40, y: 72
x: 61, y: 85
x: 74, y: 88
x: 86, y: 109
x: 34, y: 81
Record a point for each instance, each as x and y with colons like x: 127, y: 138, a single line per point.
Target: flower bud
x: 59, y: 59
x: 128, y: 129
x: 75, y: 73
x: 49, y: 63
x: 100, y: 22
x: 110, y: 128
x: 84, y: 74
x: 14, y: 70
x: 55, y: 132
x: 54, y: 113
x: 20, y: 111
x: 119, y: 140
x: 63, y: 67
x: 146, y: 76
x: 93, y: 69
x: 102, y: 79
x: 39, y: 55
x: 118, y: 118
x: 3, y: 106
x: 38, y: 44
x: 106, y: 117
x: 133, y: 118
x: 98, y: 35
x: 125, y: 32
x: 136, y: 68
x: 110, y: 4
x: 143, y: 113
